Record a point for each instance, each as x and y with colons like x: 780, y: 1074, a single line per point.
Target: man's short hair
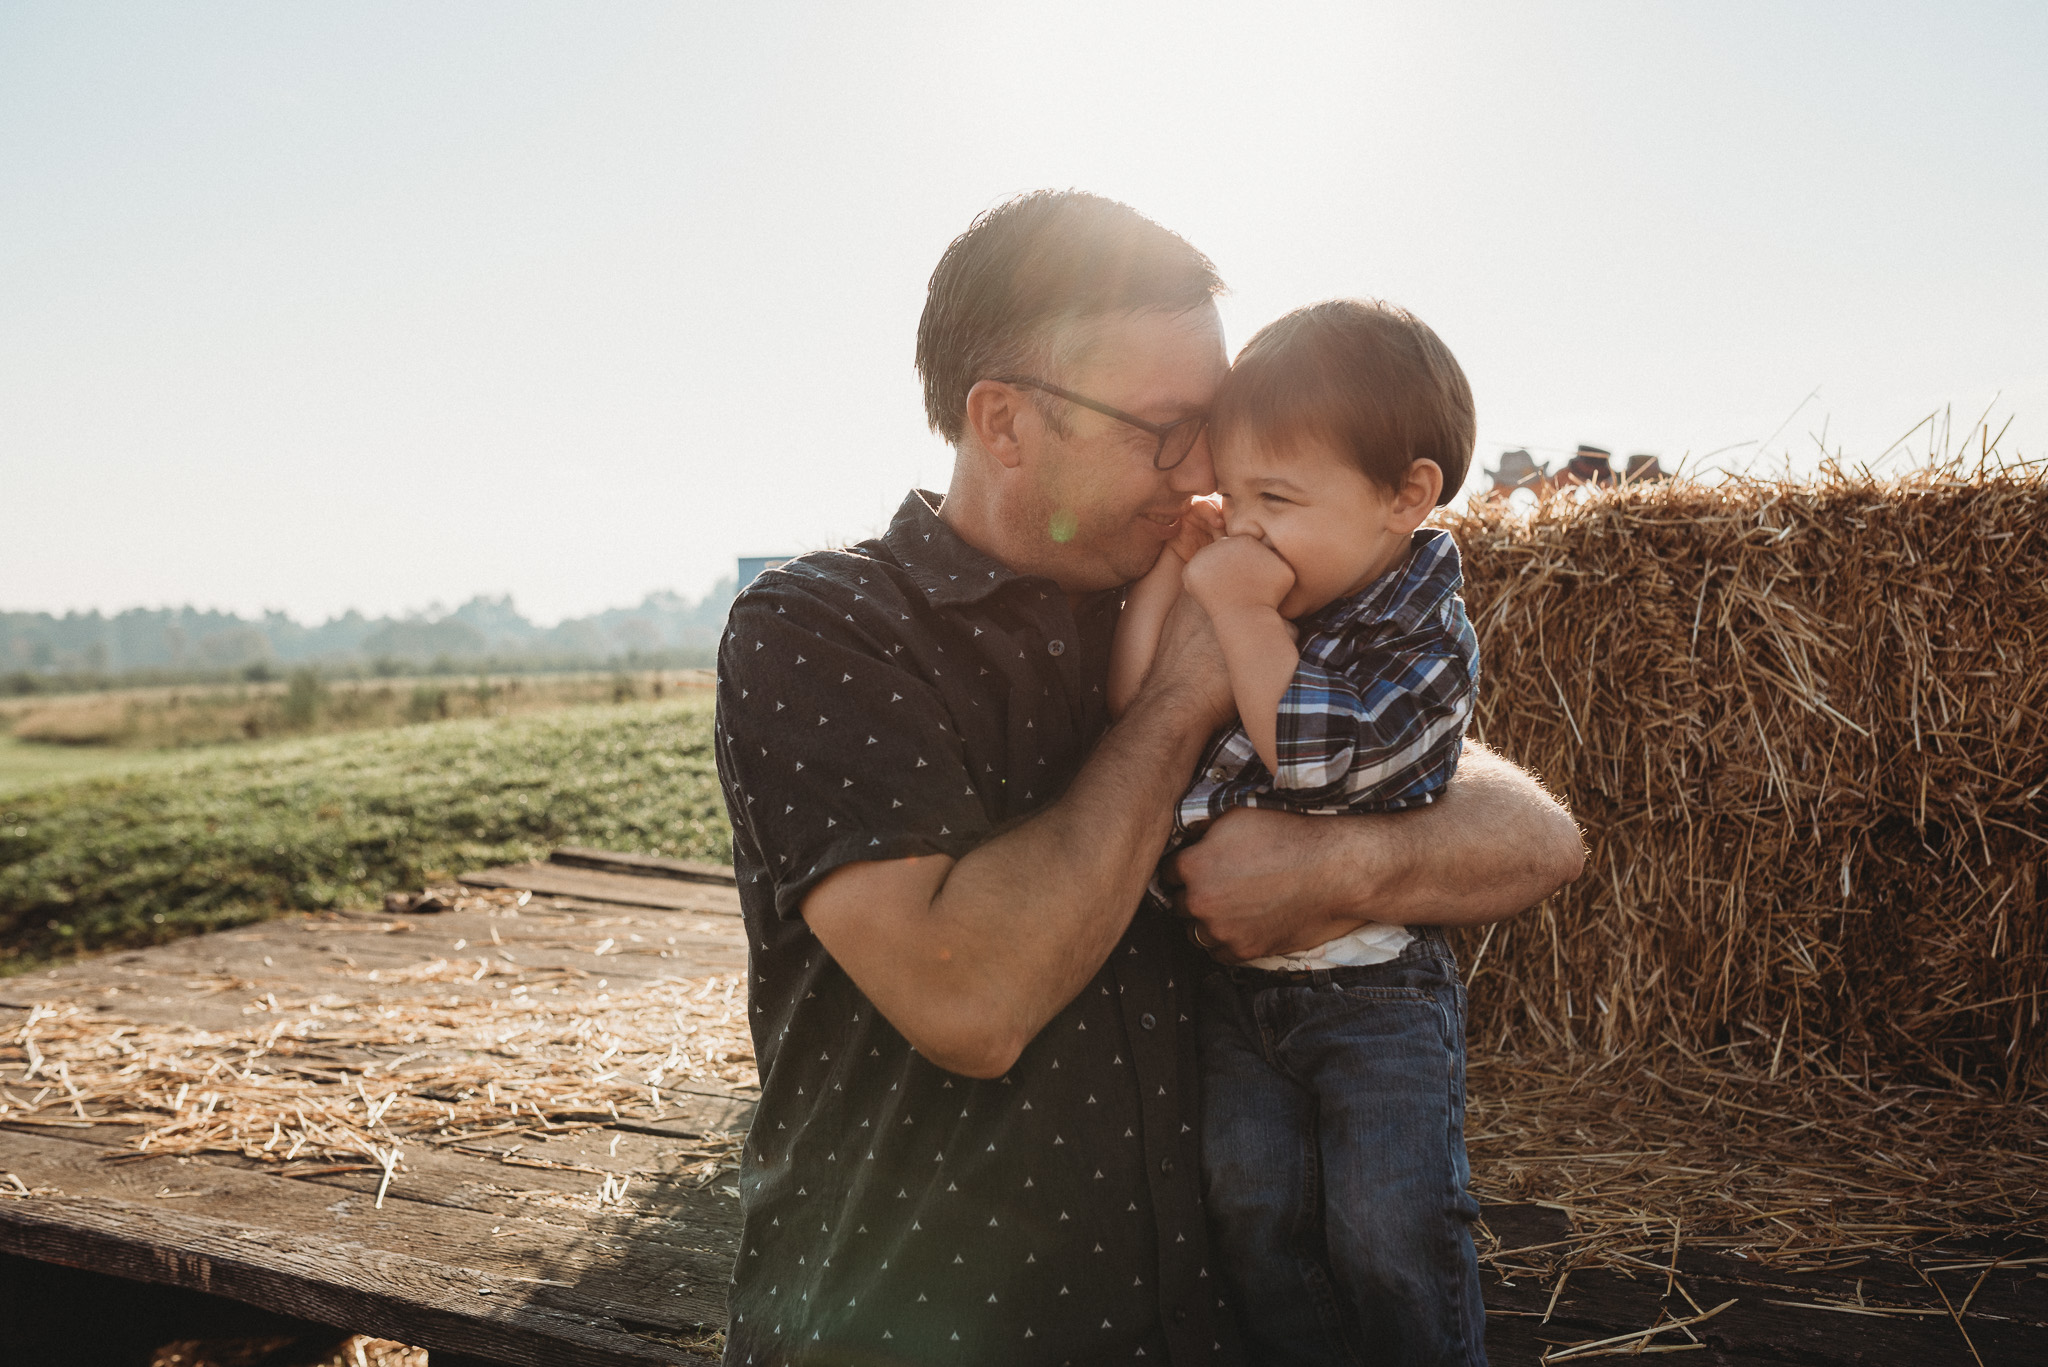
x: 1025, y: 271
x: 1366, y: 376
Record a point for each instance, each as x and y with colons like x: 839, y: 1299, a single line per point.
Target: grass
x: 231, y: 835
x: 24, y: 764
x: 167, y: 717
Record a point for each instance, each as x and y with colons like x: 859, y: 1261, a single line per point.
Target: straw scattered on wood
x: 349, y: 1079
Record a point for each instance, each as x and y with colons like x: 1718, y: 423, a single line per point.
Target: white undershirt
x: 1369, y: 944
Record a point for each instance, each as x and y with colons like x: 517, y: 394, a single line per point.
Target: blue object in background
x: 751, y: 567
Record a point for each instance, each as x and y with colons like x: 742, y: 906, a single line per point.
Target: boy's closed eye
x: 1265, y: 497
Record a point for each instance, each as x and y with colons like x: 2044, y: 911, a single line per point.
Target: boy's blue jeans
x: 1333, y: 1136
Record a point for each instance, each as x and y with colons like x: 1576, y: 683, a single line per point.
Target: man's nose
x: 1196, y: 474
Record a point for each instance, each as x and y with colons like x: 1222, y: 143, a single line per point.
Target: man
x: 1518, y: 470
x: 1644, y: 468
x: 1589, y: 465
x: 975, y: 1142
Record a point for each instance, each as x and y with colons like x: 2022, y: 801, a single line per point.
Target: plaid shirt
x: 1375, y: 718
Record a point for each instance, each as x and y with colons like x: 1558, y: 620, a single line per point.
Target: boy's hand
x: 1238, y: 572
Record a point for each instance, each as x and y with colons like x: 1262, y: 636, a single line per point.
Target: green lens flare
x: 1064, y: 525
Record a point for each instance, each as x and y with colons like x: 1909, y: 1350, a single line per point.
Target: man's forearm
x: 1138, y: 628
x: 1045, y: 903
x: 1494, y: 844
x: 970, y: 959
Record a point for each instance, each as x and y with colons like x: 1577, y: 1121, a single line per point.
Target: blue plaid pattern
x: 1375, y: 718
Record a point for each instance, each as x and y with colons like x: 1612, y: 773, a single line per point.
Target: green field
x: 24, y: 764
x: 189, y: 716
x: 188, y: 842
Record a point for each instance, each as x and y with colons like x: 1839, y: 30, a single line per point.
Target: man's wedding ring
x: 1195, y: 933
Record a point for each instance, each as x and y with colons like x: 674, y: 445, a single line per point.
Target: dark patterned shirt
x: 1374, y: 719
x: 910, y: 696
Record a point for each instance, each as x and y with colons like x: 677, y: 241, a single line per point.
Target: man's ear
x: 994, y: 410
x: 1417, y: 495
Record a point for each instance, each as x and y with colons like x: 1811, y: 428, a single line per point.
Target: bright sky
x: 324, y: 306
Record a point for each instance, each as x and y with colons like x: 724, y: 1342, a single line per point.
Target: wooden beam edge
x: 645, y: 865
x: 304, y: 1275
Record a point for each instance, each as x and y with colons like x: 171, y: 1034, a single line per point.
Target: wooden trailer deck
x: 511, y: 1243
x: 497, y: 1248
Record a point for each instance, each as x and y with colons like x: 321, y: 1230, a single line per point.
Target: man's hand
x: 1200, y: 525
x: 1262, y: 882
x: 1148, y: 608
x: 1238, y: 572
x: 1258, y: 883
x: 1188, y: 666
x: 970, y: 958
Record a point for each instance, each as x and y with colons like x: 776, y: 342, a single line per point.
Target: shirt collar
x: 950, y: 571
x: 1404, y: 596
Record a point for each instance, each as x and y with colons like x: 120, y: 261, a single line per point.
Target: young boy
x: 1333, y: 1077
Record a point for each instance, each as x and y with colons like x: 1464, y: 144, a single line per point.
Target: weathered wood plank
x: 467, y: 1206
x: 1759, y: 1327
x: 525, y: 1289
x: 624, y: 889
x: 572, y: 1276
x: 333, y: 1282
x: 473, y: 1175
x: 213, y: 981
x: 1779, y: 1316
x: 706, y: 1112
x: 646, y: 865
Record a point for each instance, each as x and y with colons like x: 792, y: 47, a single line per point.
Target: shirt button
x: 1166, y: 1165
x: 1148, y: 1020
x: 1056, y: 647
x: 1180, y: 1317
x: 1219, y: 773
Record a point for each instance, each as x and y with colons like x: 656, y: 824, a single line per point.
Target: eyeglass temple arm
x: 1159, y: 430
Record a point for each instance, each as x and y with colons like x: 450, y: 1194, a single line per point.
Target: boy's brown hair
x: 1363, y: 374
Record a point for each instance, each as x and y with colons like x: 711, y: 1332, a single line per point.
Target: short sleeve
x: 1365, y: 735
x: 831, y: 746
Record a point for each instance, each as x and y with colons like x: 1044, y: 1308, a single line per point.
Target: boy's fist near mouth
x: 1238, y: 572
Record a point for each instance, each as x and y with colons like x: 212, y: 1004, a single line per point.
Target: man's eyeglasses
x: 1176, y: 438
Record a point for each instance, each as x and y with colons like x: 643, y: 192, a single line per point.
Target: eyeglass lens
x: 1176, y: 442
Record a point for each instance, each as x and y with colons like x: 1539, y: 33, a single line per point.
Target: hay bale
x: 1805, y: 729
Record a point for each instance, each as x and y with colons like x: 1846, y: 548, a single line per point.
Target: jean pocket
x: 1416, y: 1013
